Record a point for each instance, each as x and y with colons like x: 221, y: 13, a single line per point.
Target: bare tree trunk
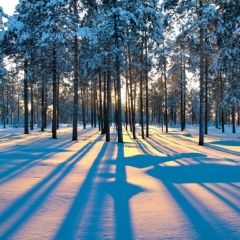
x: 58, y: 107
x: 146, y: 78
x: 233, y: 119
x: 32, y: 109
x: 54, y: 112
x: 3, y: 105
x: 18, y: 108
x: 141, y: 93
x: 126, y: 104
x: 26, y: 131
x: 131, y: 93
x: 238, y: 120
x: 95, y: 106
x: 105, y: 100
x: 184, y: 96
x: 7, y: 106
x: 43, y: 106
x: 222, y: 117
x: 206, y: 95
x: 108, y: 100
x: 76, y: 70
x: 84, y: 106
x: 217, y: 114
x: 120, y: 133
x: 166, y: 95
x: 182, y: 89
x: 100, y: 100
x: 201, y: 110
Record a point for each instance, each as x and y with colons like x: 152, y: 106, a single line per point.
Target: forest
x: 146, y: 62
x: 120, y: 119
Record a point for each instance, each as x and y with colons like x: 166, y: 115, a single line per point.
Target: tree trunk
x: 184, y: 96
x: 206, y: 95
x: 147, y: 96
x: 95, y: 106
x: 43, y: 106
x: 26, y: 131
x: 166, y: 95
x: 58, y: 107
x: 105, y: 101
x: 141, y: 93
x: 32, y: 109
x: 222, y: 117
x: 100, y: 100
x: 131, y: 94
x: 84, y: 107
x: 108, y: 100
x: 54, y: 112
x: 181, y: 84
x: 233, y: 119
x: 4, y: 110
x: 126, y: 104
x: 18, y: 109
x: 120, y: 133
x: 238, y: 119
x: 217, y: 114
x: 201, y: 110
x: 76, y: 70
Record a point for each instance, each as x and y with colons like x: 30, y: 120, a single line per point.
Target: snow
x: 163, y: 187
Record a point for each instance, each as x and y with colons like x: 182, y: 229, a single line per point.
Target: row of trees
x: 142, y: 61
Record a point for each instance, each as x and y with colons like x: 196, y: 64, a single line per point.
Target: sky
x: 8, y: 6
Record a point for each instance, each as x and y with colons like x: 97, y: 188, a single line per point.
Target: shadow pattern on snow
x: 227, y: 143
x: 25, y: 157
x: 121, y: 191
x: 36, y: 196
x: 144, y: 161
x: 197, y: 173
x: 201, y: 174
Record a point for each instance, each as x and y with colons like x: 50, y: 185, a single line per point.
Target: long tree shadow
x: 74, y: 216
x: 224, y: 143
x: 221, y: 197
x: 157, y: 145
x: 97, y: 213
x: 25, y: 158
x: 201, y: 173
x: 39, y: 193
x: 121, y: 192
x: 145, y: 161
x: 233, y: 143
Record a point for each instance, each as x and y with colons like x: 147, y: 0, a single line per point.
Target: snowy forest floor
x: 163, y: 187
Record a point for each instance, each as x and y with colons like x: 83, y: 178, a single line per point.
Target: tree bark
x: 120, y: 133
x: 108, y: 100
x: 233, y: 119
x: 32, y: 108
x: 131, y: 94
x: 141, y: 93
x: 100, y: 100
x: 26, y: 130
x: 201, y: 110
x: 147, y: 96
x: 222, y: 107
x: 165, y: 93
x: 206, y: 95
x: 54, y: 112
x: 76, y: 70
x: 58, y: 106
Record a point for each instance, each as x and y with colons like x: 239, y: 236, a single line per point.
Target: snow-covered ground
x: 164, y: 187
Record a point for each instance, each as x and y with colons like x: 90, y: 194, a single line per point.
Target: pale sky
x: 8, y: 5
